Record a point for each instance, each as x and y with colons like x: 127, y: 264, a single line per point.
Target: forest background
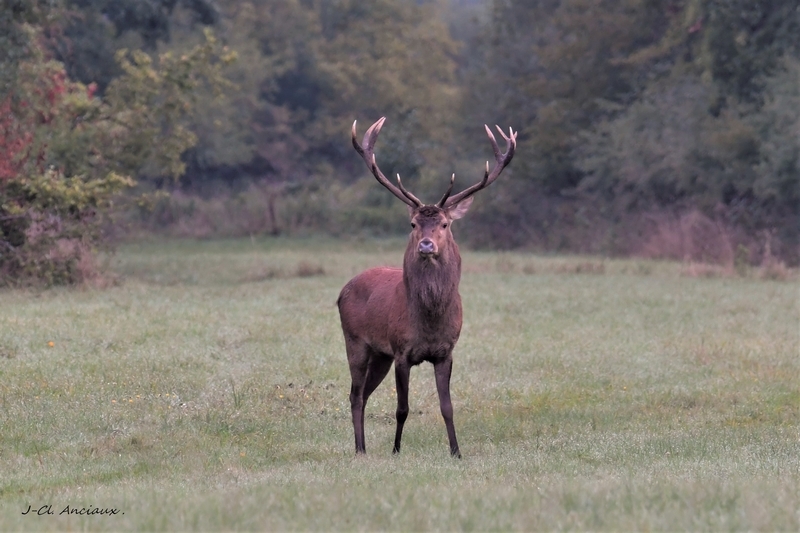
x: 659, y: 128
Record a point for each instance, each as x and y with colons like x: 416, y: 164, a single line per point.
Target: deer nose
x: 427, y: 246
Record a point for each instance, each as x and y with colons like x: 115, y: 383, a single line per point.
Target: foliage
x: 345, y: 60
x: 68, y: 154
x: 667, y: 150
x: 743, y: 43
x: 51, y: 193
x: 551, y: 69
x: 225, y: 129
x: 636, y: 106
x: 16, y: 16
x: 152, y: 104
x: 776, y: 126
x: 307, y: 71
x: 624, y: 108
x: 91, y: 32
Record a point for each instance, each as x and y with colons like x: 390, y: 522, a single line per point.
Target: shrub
x: 54, y: 187
x: 67, y: 155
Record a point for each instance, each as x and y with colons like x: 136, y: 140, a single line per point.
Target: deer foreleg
x: 442, y: 371
x: 401, y: 375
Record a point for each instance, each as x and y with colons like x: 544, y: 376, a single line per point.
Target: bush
x: 54, y: 187
x: 67, y: 155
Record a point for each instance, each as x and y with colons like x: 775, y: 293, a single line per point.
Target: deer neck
x: 432, y: 285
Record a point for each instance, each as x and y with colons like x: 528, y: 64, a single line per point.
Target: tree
x: 553, y: 67
x: 341, y: 60
x: 717, y: 131
x: 624, y: 107
x: 49, y: 206
x: 92, y: 31
x: 68, y: 154
x: 743, y: 43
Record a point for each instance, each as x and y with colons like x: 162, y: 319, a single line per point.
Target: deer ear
x: 460, y: 209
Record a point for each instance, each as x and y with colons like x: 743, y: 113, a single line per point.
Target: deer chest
x: 431, y: 351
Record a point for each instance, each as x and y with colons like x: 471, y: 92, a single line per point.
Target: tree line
x: 664, y: 127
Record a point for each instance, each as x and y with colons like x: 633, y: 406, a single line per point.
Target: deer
x: 411, y: 315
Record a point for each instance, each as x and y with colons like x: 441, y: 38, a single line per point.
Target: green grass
x: 208, y: 390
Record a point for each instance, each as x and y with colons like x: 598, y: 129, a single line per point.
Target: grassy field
x: 208, y: 390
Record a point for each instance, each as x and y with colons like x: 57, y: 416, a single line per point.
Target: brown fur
x: 411, y: 315
x: 405, y: 316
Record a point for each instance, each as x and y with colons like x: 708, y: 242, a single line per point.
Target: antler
x: 502, y: 160
x: 367, y: 154
x: 447, y: 193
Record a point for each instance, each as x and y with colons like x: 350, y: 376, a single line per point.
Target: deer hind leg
x: 442, y: 371
x: 358, y: 359
x: 401, y: 375
x: 367, y: 370
x: 377, y: 369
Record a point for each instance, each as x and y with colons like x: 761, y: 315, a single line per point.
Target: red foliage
x: 15, y: 142
x: 49, y: 92
x: 19, y: 120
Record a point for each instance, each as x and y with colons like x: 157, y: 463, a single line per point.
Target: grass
x: 208, y: 390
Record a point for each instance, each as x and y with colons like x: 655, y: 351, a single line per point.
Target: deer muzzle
x: 427, y: 247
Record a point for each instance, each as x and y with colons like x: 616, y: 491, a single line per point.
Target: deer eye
x: 444, y: 226
x: 413, y: 225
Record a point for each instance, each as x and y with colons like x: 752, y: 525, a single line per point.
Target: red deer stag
x: 413, y: 314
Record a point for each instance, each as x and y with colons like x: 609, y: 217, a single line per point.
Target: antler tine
x: 371, y: 135
x: 501, y: 132
x: 493, y: 140
x: 501, y: 161
x: 406, y: 193
x: 449, y: 190
x: 354, y: 139
x: 365, y: 150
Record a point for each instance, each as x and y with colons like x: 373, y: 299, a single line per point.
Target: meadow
x: 208, y: 390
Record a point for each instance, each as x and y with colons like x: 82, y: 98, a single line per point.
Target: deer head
x: 430, y: 224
